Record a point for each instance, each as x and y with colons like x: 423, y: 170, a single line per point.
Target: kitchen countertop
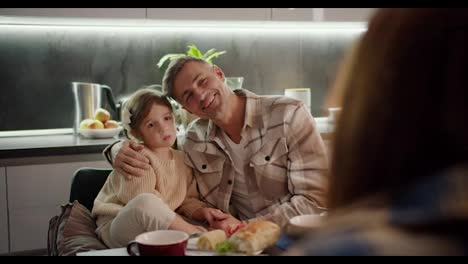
x: 59, y: 142
x: 50, y: 145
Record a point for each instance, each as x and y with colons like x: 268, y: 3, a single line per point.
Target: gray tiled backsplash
x: 38, y: 64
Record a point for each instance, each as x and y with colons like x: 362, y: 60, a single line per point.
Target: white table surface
x: 123, y: 252
x: 105, y: 252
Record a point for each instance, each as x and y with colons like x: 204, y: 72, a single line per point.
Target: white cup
x: 299, y: 93
x: 333, y: 114
x: 302, y: 224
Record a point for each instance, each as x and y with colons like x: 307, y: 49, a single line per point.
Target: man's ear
x: 218, y: 72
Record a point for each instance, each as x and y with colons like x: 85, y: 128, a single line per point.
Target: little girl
x: 128, y: 206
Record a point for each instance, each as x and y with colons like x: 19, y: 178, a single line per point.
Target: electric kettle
x: 89, y: 97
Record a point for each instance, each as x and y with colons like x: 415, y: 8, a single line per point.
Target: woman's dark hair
x: 405, y: 103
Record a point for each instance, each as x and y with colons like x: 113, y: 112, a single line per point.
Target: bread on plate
x: 255, y: 237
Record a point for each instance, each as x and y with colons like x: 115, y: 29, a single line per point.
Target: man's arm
x: 307, y: 166
x: 124, y: 157
x: 192, y: 202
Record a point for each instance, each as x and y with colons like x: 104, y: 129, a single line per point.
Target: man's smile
x: 209, y: 102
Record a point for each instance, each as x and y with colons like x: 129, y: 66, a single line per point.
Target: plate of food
x: 250, y: 239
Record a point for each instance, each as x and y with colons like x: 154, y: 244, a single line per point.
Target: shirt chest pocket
x: 208, y: 168
x: 270, y: 164
x: 204, y: 163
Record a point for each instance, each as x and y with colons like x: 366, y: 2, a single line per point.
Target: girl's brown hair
x: 140, y: 103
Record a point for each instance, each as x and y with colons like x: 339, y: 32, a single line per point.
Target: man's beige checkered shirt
x: 286, y: 175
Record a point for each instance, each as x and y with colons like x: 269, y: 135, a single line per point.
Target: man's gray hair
x: 171, y: 73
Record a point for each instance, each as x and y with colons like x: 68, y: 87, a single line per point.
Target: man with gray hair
x: 254, y: 157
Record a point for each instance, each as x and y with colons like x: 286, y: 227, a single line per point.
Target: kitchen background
x: 43, y: 50
x: 39, y: 61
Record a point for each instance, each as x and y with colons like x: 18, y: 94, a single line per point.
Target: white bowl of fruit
x: 100, y: 126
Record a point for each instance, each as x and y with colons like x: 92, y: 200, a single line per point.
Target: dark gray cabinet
x: 76, y: 12
x: 322, y: 14
x: 210, y: 13
x: 239, y: 14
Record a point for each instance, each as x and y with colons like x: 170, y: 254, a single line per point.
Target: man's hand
x: 129, y: 161
x: 226, y: 224
x: 209, y: 214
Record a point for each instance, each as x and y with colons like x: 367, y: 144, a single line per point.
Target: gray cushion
x: 73, y: 231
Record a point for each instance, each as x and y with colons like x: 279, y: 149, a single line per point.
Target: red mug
x: 159, y: 243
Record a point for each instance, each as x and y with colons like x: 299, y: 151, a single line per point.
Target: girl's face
x: 158, y: 128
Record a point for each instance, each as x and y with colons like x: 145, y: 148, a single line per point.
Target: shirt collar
x: 253, y: 109
x: 253, y: 113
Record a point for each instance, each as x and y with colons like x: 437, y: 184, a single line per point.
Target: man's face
x: 200, y: 89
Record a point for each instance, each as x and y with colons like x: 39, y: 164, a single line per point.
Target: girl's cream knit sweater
x: 171, y: 180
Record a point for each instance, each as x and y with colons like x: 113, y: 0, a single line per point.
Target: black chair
x: 86, y: 184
